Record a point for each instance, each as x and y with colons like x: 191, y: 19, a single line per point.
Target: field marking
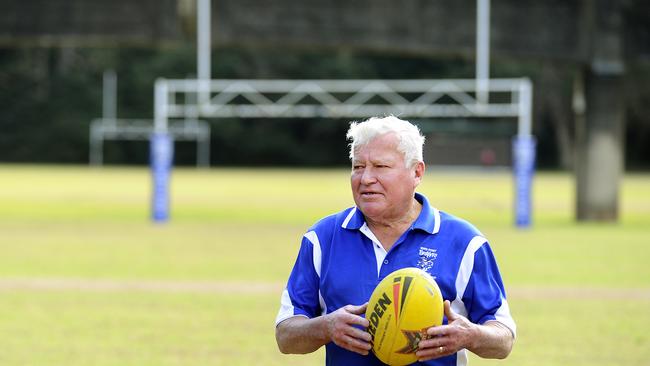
x: 259, y: 287
x: 106, y: 285
x: 577, y: 293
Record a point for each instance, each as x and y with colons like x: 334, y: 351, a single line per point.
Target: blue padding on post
x: 161, y: 155
x: 523, y: 152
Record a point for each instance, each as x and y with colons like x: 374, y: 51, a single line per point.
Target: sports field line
x: 107, y: 285
x: 259, y: 287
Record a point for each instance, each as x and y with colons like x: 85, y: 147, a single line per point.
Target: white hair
x: 409, y: 136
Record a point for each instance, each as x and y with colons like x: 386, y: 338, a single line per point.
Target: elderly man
x: 344, y: 256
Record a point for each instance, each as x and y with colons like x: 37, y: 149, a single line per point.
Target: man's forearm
x: 301, y: 335
x: 493, y: 340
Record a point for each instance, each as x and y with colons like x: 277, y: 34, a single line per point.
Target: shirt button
x: 385, y: 261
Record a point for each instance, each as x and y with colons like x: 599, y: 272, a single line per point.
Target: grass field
x: 87, y: 279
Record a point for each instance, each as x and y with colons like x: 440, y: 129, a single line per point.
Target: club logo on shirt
x: 427, y: 256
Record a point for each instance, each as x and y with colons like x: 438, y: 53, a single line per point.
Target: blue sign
x: 161, y: 155
x: 523, y: 152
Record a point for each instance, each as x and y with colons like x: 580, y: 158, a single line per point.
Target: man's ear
x: 419, y: 171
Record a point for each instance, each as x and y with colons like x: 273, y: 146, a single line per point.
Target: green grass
x: 580, y: 293
x: 133, y: 328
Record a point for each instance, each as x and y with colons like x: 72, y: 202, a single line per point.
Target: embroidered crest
x: 427, y: 256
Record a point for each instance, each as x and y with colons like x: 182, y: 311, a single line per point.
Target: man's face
x: 382, y: 185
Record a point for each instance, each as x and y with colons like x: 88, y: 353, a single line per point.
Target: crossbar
x: 424, y: 98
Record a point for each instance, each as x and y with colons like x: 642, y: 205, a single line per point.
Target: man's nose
x: 368, y: 176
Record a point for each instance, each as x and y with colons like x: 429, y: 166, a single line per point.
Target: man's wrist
x: 476, y: 334
x: 323, y: 328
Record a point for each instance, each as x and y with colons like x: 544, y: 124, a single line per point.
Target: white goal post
x: 109, y: 127
x: 121, y: 129
x: 424, y: 98
x: 357, y: 99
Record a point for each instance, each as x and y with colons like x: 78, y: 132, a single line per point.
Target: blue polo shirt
x: 340, y: 262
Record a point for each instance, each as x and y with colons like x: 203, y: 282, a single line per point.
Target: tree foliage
x: 49, y: 96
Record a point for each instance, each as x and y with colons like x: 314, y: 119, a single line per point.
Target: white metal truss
x: 102, y: 129
x: 424, y: 98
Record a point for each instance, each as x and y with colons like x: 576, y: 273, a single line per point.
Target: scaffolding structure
x: 109, y: 127
x: 117, y: 129
x: 422, y: 98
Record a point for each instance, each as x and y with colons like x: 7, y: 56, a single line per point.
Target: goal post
x: 419, y: 98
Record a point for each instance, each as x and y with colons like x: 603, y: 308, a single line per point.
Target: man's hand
x: 447, y: 339
x: 342, y: 331
x: 490, y: 340
x: 344, y: 327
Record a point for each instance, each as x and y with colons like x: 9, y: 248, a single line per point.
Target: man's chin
x: 371, y: 208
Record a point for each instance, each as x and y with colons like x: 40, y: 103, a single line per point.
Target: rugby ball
x: 401, y: 308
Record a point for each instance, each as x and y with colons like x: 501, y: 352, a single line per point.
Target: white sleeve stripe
x: 503, y: 316
x: 313, y: 238
x: 321, y: 301
x: 464, y: 273
x: 462, y: 358
x: 286, y: 308
x: 467, y: 265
